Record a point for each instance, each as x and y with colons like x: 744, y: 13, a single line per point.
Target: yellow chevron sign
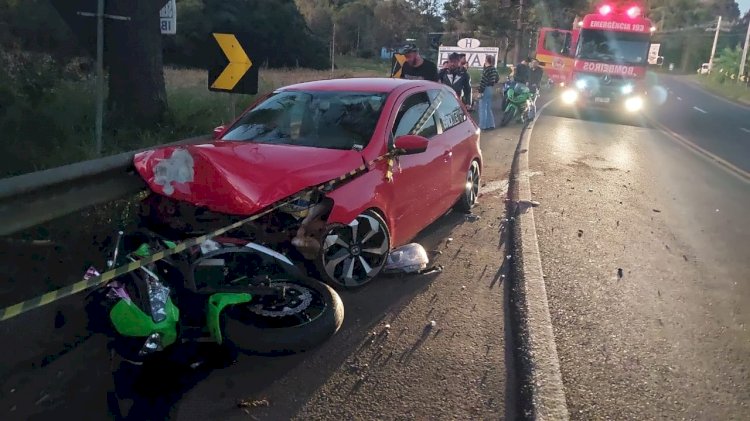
x: 231, y: 68
x: 397, y: 65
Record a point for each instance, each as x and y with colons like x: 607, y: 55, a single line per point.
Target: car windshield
x: 620, y: 47
x: 320, y: 119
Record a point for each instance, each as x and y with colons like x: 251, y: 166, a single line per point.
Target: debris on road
x: 410, y: 258
x: 433, y: 323
x: 685, y: 257
x: 580, y: 233
x: 449, y: 240
x: 591, y: 190
x: 618, y: 223
x: 387, y: 326
x: 619, y: 273
x: 656, y: 210
x: 246, y: 403
x: 434, y: 269
x: 472, y: 218
x: 717, y: 210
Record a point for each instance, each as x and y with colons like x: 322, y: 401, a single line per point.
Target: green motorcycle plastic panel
x: 129, y: 320
x: 216, y: 304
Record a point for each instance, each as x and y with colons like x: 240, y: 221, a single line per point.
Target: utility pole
x: 744, y: 52
x: 518, y: 33
x: 713, y: 49
x: 333, y: 49
x: 100, y: 15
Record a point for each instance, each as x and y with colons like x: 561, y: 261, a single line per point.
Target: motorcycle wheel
x: 507, y: 117
x: 314, y: 312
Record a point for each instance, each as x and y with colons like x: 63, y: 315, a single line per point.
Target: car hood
x: 240, y: 178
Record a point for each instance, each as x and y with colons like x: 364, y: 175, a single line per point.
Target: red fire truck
x: 602, y: 61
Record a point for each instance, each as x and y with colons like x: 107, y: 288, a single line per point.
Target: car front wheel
x: 354, y: 254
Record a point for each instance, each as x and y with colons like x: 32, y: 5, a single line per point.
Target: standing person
x: 416, y: 67
x: 457, y: 78
x: 464, y: 62
x: 535, y: 74
x: 490, y: 77
x: 521, y: 72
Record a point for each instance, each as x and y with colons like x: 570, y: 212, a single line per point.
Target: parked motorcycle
x: 519, y: 103
x: 233, y: 295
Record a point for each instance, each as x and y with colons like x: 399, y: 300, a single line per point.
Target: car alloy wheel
x: 471, y: 190
x: 352, y: 255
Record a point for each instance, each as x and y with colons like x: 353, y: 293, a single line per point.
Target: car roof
x: 362, y: 84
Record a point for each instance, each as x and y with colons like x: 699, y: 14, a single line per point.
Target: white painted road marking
x: 744, y: 130
x: 698, y: 109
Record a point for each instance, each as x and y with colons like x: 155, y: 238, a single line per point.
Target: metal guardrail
x: 31, y: 199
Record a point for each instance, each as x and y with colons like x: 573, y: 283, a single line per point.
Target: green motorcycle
x: 520, y: 104
x: 227, y: 293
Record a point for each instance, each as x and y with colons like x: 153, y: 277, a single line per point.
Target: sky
x: 744, y: 6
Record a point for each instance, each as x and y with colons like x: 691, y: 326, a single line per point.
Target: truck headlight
x: 570, y: 96
x: 581, y: 84
x: 627, y: 89
x: 634, y: 104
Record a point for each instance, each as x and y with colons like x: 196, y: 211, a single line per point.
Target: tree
x: 137, y: 93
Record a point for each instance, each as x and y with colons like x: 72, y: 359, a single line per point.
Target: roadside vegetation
x: 49, y: 112
x: 725, y: 79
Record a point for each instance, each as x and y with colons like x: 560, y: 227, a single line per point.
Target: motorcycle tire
x: 507, y: 117
x: 253, y: 333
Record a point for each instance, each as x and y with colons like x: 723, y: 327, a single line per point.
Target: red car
x: 307, y: 134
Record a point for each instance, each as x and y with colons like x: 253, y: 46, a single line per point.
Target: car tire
x: 352, y: 255
x: 471, y: 191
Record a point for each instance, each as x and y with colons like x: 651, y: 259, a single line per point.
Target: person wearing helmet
x: 417, y: 67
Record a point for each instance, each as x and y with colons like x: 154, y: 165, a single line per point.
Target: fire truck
x: 602, y: 61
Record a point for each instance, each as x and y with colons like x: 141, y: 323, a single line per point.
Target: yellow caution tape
x: 52, y: 296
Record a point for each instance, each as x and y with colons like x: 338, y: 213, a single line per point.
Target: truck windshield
x: 609, y: 46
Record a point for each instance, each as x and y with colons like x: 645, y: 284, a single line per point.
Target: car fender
x: 365, y: 192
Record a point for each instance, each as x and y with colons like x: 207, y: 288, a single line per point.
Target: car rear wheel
x: 354, y: 254
x: 471, y: 190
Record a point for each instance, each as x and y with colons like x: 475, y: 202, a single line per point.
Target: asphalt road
x: 644, y: 247
x: 713, y: 123
x: 460, y: 368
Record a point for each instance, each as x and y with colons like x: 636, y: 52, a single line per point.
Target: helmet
x: 409, y: 48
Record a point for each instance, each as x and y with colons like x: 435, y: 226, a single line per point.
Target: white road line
x: 744, y: 130
x: 698, y: 109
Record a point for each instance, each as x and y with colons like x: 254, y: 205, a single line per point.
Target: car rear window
x: 322, y: 119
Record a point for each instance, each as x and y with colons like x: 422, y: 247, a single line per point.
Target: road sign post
x: 231, y: 69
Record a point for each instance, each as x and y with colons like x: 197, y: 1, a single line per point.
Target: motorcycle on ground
x: 230, y: 294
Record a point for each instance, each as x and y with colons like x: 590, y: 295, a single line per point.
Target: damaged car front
x: 289, y: 143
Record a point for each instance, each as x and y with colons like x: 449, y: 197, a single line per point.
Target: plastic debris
x: 717, y: 210
x: 450, y: 239
x: 590, y: 190
x: 619, y: 273
x: 387, y: 326
x: 433, y: 323
x: 209, y: 245
x: 472, y: 218
x: 656, y: 210
x: 463, y: 286
x: 434, y: 269
x: 580, y: 233
x: 407, y: 259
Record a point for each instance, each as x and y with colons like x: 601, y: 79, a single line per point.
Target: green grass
x: 40, y: 132
x: 729, y: 89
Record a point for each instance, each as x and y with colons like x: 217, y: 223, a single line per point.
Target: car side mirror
x: 218, y: 131
x: 410, y: 144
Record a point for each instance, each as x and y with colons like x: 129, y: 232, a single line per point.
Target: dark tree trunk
x: 133, y: 53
